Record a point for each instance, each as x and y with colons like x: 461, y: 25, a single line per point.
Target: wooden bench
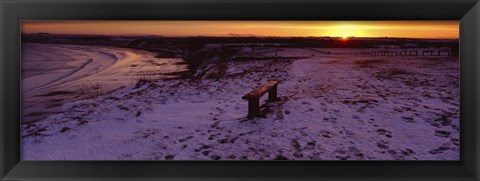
x: 253, y: 97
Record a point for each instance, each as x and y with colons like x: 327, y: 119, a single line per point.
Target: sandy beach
x: 58, y: 74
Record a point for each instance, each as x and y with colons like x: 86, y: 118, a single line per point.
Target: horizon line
x: 246, y: 36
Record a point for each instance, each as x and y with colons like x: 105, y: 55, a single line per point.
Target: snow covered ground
x: 329, y: 108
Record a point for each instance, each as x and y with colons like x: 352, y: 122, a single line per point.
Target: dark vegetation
x: 168, y: 45
x: 192, y: 49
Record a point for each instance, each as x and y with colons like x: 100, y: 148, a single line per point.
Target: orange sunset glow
x: 402, y: 29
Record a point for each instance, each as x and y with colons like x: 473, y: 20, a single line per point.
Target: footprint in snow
x: 204, y: 147
x: 439, y: 150
x: 383, y: 145
x: 341, y: 154
x: 407, y: 152
x: 455, y: 141
x: 325, y: 133
x: 306, y: 103
x: 310, y: 145
x: 442, y: 133
x: 185, y: 139
x: 408, y: 119
x: 169, y: 157
x: 296, y: 145
x: 214, y: 124
x: 356, y: 152
x: 384, y: 132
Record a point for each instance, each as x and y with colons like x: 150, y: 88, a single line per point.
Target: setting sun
x: 345, y: 31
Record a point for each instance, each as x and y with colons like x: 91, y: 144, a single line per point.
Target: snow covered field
x: 330, y: 108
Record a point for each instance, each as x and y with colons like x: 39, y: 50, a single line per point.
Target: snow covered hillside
x: 330, y: 107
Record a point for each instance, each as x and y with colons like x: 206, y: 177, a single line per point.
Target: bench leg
x: 272, y: 94
x: 253, y: 107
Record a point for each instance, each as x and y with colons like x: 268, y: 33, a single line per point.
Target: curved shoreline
x: 85, y: 70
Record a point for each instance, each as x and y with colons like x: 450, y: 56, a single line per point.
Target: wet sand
x: 56, y: 74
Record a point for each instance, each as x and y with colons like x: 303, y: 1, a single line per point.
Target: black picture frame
x: 13, y: 11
